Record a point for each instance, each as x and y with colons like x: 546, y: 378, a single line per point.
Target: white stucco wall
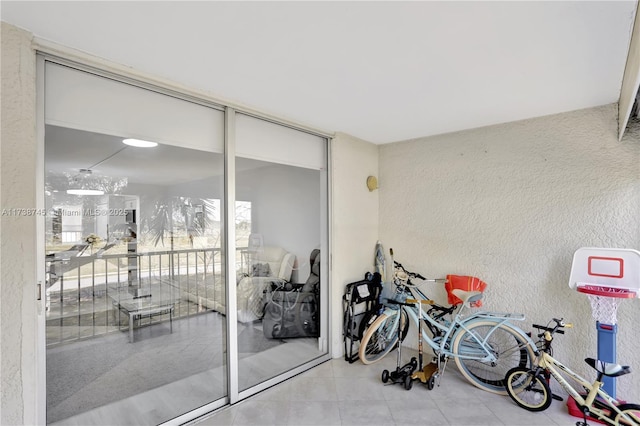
x: 18, y: 317
x: 510, y: 204
x: 354, y: 213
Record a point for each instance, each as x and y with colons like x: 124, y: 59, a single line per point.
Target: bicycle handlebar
x: 557, y: 328
x: 409, y: 273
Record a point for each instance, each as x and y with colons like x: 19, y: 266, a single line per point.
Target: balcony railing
x: 83, y: 292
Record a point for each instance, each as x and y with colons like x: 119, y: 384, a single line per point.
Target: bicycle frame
x: 546, y: 361
x: 458, y: 324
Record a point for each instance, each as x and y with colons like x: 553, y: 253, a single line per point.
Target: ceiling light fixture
x: 139, y: 143
x: 85, y: 183
x: 85, y: 192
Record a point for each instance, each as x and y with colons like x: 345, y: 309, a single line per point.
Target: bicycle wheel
x: 507, y: 344
x: 381, y: 336
x: 529, y: 391
x: 632, y: 411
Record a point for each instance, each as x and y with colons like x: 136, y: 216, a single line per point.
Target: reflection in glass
x: 135, y: 279
x: 278, y: 289
x: 134, y: 270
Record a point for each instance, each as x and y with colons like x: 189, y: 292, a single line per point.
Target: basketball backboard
x: 606, y: 267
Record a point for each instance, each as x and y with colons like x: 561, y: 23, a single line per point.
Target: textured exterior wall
x: 18, y: 233
x: 510, y: 204
x: 354, y: 221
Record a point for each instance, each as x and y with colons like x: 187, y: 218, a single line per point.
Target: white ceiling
x: 380, y: 71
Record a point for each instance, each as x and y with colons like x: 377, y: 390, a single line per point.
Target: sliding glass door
x: 174, y: 287
x: 134, y: 257
x: 280, y: 177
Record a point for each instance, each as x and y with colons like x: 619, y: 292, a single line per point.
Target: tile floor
x: 339, y: 393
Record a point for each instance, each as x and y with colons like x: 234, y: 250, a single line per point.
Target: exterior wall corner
x: 18, y: 311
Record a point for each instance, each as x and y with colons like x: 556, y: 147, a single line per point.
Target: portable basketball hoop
x: 605, y: 301
x: 607, y: 277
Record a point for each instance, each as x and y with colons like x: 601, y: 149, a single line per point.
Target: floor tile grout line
x: 333, y: 373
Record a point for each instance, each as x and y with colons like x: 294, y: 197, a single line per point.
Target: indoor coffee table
x: 145, y: 300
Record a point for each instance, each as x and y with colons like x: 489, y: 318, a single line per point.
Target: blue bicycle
x: 485, y: 345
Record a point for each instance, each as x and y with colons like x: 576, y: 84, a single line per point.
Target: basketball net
x: 605, y: 301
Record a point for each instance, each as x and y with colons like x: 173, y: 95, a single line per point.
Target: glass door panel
x: 136, y: 309
x: 135, y: 325
x: 280, y: 238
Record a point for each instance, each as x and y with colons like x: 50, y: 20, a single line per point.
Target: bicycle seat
x: 608, y: 368
x: 467, y: 296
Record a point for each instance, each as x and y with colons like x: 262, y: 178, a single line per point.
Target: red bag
x: 465, y: 283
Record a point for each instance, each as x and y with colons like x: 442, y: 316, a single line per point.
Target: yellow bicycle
x: 528, y: 387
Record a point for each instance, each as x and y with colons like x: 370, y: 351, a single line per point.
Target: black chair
x: 292, y: 309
